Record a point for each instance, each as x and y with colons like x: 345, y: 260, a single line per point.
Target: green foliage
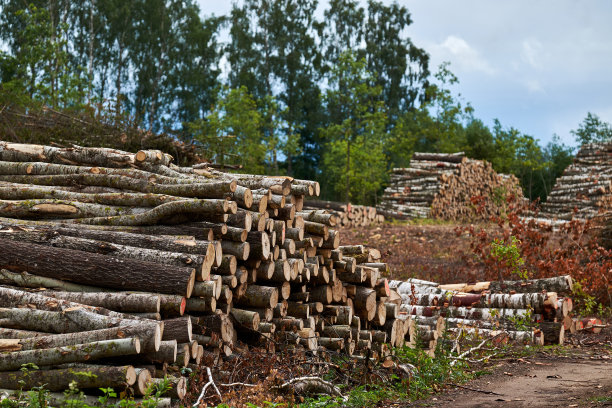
x: 593, y: 130
x: 354, y: 139
x: 231, y: 133
x: 509, y: 254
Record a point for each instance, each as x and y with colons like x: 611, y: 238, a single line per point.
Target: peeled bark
x: 102, y: 270
x: 70, y: 354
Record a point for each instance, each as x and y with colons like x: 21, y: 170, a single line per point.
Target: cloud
x: 531, y: 53
x: 462, y: 55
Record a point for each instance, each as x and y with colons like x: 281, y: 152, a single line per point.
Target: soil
x: 431, y: 252
x: 580, y: 377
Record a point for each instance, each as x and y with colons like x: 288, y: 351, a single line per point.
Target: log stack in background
x: 440, y: 185
x: 535, y: 311
x: 124, y: 260
x: 584, y: 191
x: 349, y: 215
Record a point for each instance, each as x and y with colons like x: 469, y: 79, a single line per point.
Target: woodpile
x: 584, y: 191
x: 534, y: 311
x: 445, y: 186
x: 130, y: 267
x: 349, y: 215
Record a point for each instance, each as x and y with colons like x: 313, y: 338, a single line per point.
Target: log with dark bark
x: 95, y: 269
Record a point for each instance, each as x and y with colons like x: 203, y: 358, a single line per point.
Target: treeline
x: 341, y: 99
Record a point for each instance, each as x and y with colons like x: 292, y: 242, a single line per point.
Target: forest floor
x: 426, y: 251
x: 575, y: 375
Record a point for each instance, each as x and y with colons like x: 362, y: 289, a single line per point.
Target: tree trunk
x: 178, y: 329
x: 41, y: 320
x: 70, y: 354
x: 25, y: 280
x: 125, y: 302
x: 149, y: 336
x: 259, y: 296
x: 201, y: 263
x: 59, y: 380
x: 95, y: 269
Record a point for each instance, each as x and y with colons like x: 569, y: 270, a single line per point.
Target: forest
x: 271, y: 87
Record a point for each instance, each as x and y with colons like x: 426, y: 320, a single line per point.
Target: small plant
x: 509, y: 255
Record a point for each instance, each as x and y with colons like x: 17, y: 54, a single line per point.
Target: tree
x: 400, y: 67
x: 593, y: 130
x: 232, y: 131
x: 355, y: 137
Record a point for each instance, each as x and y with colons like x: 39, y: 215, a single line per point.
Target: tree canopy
x: 342, y: 98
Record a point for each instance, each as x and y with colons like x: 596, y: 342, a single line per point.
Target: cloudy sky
x: 536, y: 65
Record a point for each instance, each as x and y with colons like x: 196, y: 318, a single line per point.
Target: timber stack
x: 533, y: 311
x: 584, y: 191
x: 349, y: 215
x: 439, y: 185
x: 129, y: 267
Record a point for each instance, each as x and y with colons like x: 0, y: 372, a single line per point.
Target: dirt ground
x: 431, y: 252
x: 578, y: 375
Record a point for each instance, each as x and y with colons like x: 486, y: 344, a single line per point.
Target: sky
x: 538, y: 66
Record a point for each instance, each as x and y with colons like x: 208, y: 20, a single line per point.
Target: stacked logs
x: 129, y: 267
x: 584, y: 191
x: 440, y: 185
x: 349, y: 215
x: 534, y: 311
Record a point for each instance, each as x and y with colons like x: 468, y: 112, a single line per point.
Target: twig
x: 210, y: 382
x: 463, y: 355
x: 238, y: 384
x: 475, y: 389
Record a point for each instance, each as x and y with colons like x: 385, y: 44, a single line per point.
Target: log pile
x: 439, y: 185
x: 584, y: 191
x: 535, y: 311
x: 349, y: 215
x: 129, y: 267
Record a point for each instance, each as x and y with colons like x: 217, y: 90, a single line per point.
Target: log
x: 199, y: 262
x: 150, y: 336
x: 28, y: 319
x: 102, y: 270
x: 92, y: 376
x: 259, y: 296
x: 168, y: 350
x: 126, y: 302
x: 70, y: 354
x: 178, y: 329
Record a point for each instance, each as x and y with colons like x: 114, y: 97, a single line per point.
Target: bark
x: 259, y: 245
x: 93, y: 156
x: 247, y: 318
x: 58, y: 380
x: 554, y: 332
x: 55, y: 209
x: 560, y: 284
x: 166, y: 353
x: 259, y: 296
x: 95, y: 269
x: 178, y: 329
x: 20, y: 334
x: 178, y: 388
x: 199, y: 262
x: 26, y: 280
x: 212, y: 190
x: 70, y: 354
x: 172, y: 305
x: 126, y: 302
x: 29, y: 192
x: 241, y: 250
x: 41, y: 320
